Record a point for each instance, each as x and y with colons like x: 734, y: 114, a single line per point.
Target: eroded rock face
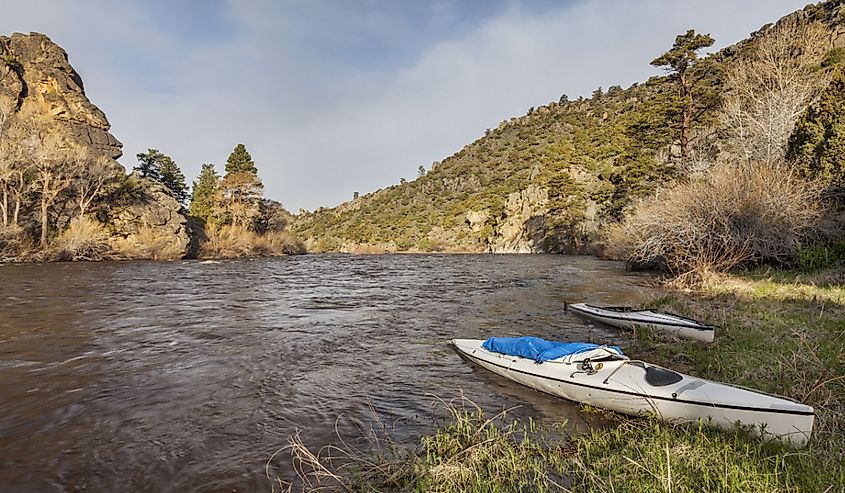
x: 38, y: 82
x: 151, y: 225
x: 37, y: 76
x: 477, y: 220
x: 523, y: 228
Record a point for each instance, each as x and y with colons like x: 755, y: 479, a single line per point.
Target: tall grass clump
x: 731, y: 217
x: 230, y: 240
x: 819, y: 256
x: 469, y: 452
x: 84, y: 239
x: 642, y: 456
x: 280, y: 243
x: 148, y: 244
x: 15, y: 244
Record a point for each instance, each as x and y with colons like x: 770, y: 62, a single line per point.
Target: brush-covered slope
x: 549, y: 180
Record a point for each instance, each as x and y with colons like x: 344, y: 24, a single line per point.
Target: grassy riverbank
x: 780, y: 333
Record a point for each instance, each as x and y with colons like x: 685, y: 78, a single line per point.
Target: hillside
x: 548, y: 181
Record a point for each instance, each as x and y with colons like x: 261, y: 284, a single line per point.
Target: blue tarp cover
x: 537, y: 348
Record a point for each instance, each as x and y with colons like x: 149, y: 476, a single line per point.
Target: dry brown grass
x: 732, y: 216
x: 15, y: 244
x: 282, y: 243
x: 228, y: 241
x: 148, y: 244
x: 84, y: 239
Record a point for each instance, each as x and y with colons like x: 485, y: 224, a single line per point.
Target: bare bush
x: 84, y: 239
x: 92, y: 177
x: 228, y: 240
x: 15, y: 244
x: 768, y: 88
x: 732, y: 216
x: 148, y: 244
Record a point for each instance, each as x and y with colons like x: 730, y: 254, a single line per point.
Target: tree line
x: 234, y: 199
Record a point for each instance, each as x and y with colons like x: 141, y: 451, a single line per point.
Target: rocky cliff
x: 37, y: 83
x: 37, y: 78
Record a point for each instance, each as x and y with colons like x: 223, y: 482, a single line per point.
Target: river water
x: 188, y: 376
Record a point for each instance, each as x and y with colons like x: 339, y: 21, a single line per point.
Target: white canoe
x: 627, y: 318
x: 637, y: 388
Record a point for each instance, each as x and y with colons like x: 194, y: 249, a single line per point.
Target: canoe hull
x: 668, y: 324
x: 620, y: 386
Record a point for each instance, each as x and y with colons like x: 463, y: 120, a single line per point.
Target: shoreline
x: 779, y: 332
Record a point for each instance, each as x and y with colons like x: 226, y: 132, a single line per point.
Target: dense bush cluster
x: 733, y: 216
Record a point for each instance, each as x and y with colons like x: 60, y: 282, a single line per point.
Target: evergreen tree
x: 240, y: 190
x: 172, y: 178
x: 161, y: 167
x: 149, y: 163
x: 204, y: 191
x: 817, y: 145
x: 688, y: 72
x: 240, y: 161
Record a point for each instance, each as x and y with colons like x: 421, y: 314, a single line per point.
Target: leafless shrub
x: 768, y: 88
x: 15, y: 244
x: 85, y: 239
x: 148, y: 244
x: 730, y: 217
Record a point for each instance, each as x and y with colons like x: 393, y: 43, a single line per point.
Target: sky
x: 333, y: 97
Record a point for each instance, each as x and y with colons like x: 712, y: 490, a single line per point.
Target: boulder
x: 149, y: 225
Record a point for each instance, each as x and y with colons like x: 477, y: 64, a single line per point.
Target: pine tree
x: 688, y: 72
x: 204, y: 191
x: 160, y: 167
x: 172, y: 178
x: 240, y: 190
x: 240, y: 161
x: 149, y: 164
x: 817, y: 145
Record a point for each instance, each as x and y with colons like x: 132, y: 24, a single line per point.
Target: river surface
x: 188, y: 376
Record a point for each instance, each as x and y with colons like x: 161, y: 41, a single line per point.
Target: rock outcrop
x: 36, y: 77
x: 522, y: 230
x: 37, y: 83
x: 150, y: 225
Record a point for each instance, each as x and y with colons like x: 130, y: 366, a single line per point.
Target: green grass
x: 767, y: 285
x: 649, y: 456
